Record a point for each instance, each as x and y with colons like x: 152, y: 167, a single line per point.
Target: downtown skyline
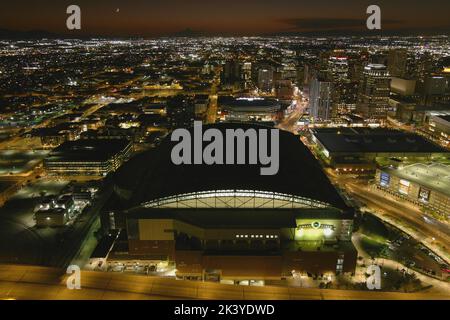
x: 237, y: 150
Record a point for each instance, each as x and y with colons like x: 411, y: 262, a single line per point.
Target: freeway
x: 40, y: 283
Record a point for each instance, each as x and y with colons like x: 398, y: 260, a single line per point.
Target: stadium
x: 229, y: 223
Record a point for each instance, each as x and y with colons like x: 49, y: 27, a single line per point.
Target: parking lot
x: 21, y: 241
x: 14, y: 162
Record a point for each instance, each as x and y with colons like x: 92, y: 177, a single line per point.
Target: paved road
x: 405, y: 214
x: 438, y: 286
x: 400, y: 212
x: 211, y: 112
x: 29, y: 282
x: 290, y: 122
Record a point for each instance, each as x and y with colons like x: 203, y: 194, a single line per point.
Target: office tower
x: 374, y: 90
x: 181, y: 111
x: 265, y: 79
x: 397, y: 61
x: 247, y: 71
x: 231, y: 72
x: 345, y: 95
x: 338, y: 67
x: 321, y: 99
x: 284, y: 89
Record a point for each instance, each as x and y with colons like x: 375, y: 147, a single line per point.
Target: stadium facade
x: 229, y: 222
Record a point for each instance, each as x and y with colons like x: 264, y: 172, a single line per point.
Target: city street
x: 290, y: 122
x: 404, y: 215
x: 438, y: 286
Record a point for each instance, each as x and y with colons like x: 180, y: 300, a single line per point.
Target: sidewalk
x: 437, y: 284
x: 409, y: 231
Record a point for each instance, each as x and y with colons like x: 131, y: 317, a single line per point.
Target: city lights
x: 194, y: 150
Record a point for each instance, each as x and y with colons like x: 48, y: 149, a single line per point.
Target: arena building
x: 249, y: 109
x: 358, y: 149
x: 426, y: 185
x: 229, y: 222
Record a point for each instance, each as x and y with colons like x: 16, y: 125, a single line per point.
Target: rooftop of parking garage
x: 87, y: 150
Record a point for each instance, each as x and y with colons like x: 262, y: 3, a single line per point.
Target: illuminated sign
x: 424, y: 195
x: 404, y: 186
x: 385, y: 179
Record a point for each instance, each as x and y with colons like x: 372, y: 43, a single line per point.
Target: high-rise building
x: 374, y: 90
x: 284, y: 89
x: 338, y: 67
x: 321, y: 99
x: 345, y: 91
x: 356, y: 63
x: 181, y: 111
x: 345, y: 95
x: 397, y: 61
x: 435, y: 85
x: 247, y: 73
x: 231, y: 72
x: 265, y: 79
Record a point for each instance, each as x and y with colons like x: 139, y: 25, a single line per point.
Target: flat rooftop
x: 378, y: 140
x: 435, y: 176
x: 87, y: 150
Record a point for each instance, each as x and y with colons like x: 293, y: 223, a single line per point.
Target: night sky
x: 225, y: 17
